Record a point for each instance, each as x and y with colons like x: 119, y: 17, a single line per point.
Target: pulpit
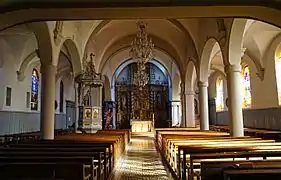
x: 90, y: 118
x: 141, y: 126
x: 89, y: 97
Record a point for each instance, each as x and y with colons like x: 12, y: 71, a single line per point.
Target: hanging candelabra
x: 142, y: 52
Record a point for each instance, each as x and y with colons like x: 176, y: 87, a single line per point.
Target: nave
x: 167, y: 153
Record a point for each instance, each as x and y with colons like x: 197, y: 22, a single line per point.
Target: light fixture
x: 142, y: 52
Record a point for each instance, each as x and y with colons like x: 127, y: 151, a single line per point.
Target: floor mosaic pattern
x: 141, y: 162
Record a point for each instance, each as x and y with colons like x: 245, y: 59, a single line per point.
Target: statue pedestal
x: 141, y: 126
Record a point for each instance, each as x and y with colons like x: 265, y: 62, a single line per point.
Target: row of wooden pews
x: 70, y: 156
x: 36, y: 135
x: 206, y: 155
x: 261, y: 133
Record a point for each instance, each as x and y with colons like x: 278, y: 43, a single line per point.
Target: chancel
x: 132, y: 90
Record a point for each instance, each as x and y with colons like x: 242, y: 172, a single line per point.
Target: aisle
x: 141, y: 162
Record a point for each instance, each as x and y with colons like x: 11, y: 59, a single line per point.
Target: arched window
x: 219, y: 92
x: 278, y: 74
x: 34, y: 90
x: 61, y: 96
x: 246, y: 86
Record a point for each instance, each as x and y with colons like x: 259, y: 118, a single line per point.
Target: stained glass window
x: 219, y: 92
x: 278, y: 77
x: 34, y: 90
x: 246, y: 87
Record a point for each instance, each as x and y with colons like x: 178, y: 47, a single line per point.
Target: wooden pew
x: 65, y: 145
x: 252, y: 174
x: 234, y: 151
x: 47, y: 167
x: 215, y: 169
x: 113, y: 144
x: 39, y: 154
x: 261, y: 133
x: 167, y: 140
x: 117, y: 142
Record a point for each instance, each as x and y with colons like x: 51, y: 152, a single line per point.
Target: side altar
x: 89, y: 97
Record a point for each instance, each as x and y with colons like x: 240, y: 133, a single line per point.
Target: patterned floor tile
x: 141, y: 162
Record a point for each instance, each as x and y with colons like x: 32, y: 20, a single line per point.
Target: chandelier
x: 142, y: 52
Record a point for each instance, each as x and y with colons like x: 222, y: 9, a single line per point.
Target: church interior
x: 140, y: 92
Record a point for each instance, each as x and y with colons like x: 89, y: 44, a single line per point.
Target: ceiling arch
x: 110, y: 32
x: 125, y: 43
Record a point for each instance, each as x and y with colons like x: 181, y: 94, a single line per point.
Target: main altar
x: 142, y: 115
x: 141, y: 89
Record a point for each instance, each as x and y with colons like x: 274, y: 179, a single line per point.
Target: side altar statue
x: 90, y: 113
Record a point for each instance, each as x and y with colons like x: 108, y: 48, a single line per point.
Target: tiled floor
x: 141, y: 162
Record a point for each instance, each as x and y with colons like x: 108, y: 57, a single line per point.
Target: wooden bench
x: 215, y: 169
x: 64, y: 145
x: 39, y: 154
x: 45, y: 167
x: 232, y: 152
x: 261, y: 133
x: 169, y: 141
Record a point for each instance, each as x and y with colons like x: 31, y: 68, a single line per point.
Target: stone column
x: 76, y: 106
x: 183, y: 110
x: 235, y: 100
x: 183, y: 105
x: 175, y: 112
x: 203, y: 105
x: 190, y: 114
x: 48, y: 88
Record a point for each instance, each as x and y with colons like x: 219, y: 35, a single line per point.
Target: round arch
x: 205, y: 62
x: 130, y: 61
x: 236, y: 37
x: 190, y: 77
x: 125, y: 43
x: 75, y: 57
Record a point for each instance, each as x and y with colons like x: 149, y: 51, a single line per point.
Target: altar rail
x: 269, y: 118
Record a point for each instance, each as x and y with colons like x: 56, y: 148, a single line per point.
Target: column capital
x: 189, y: 93
x: 232, y: 68
x: 202, y: 84
x: 48, y: 67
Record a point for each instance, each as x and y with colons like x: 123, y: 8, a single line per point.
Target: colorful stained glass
x: 34, y: 90
x: 278, y: 77
x: 219, y: 91
x: 246, y: 87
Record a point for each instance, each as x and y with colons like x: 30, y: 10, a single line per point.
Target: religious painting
x: 87, y: 113
x: 95, y: 114
x: 108, y: 114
